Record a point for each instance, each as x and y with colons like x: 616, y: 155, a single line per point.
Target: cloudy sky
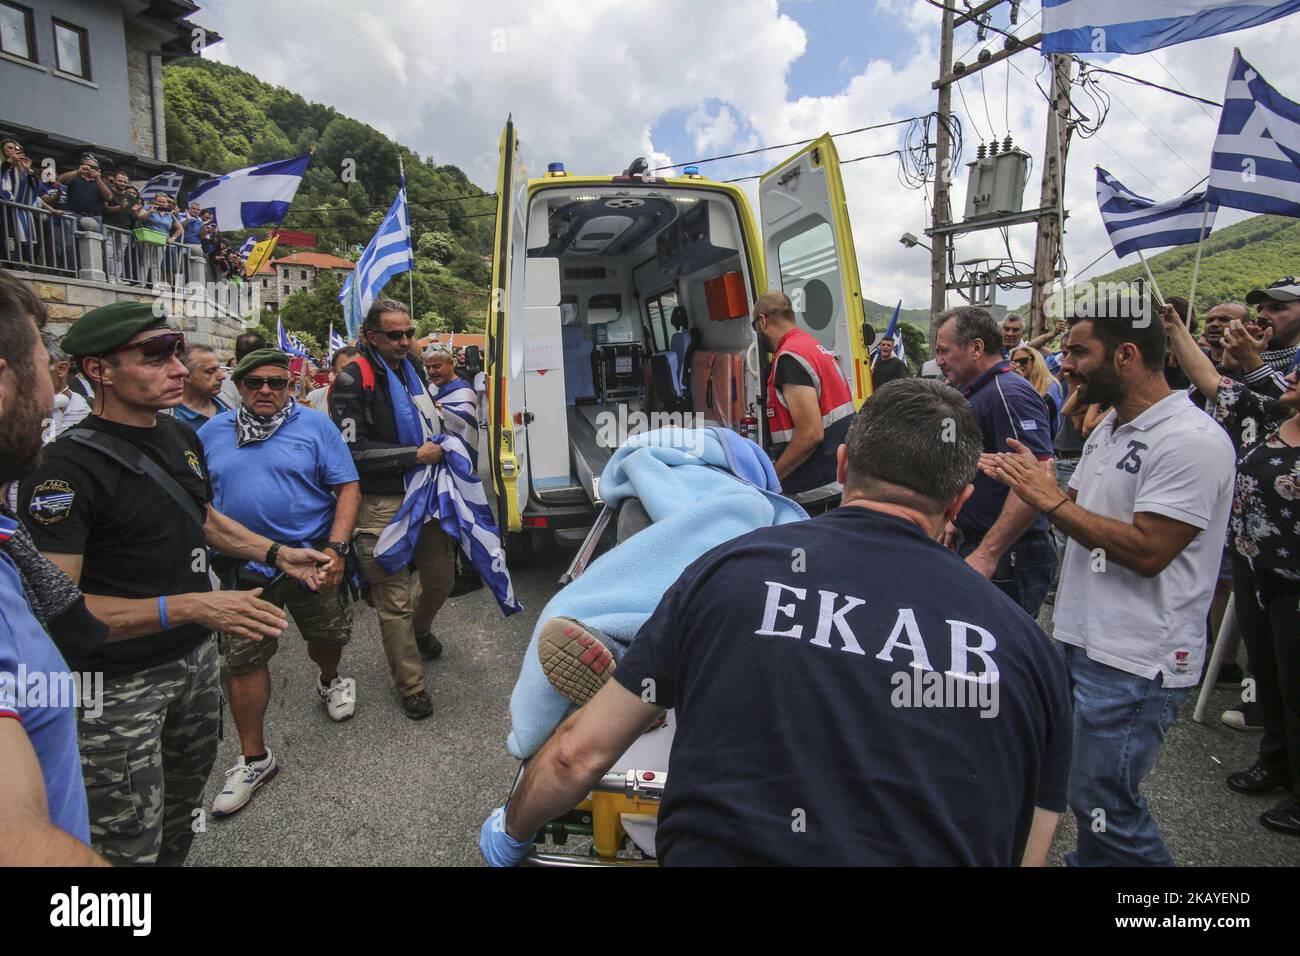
x: 599, y: 82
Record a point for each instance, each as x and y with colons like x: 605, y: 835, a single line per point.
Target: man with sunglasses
x: 122, y: 505
x: 1267, y: 358
x: 281, y: 469
x: 362, y: 405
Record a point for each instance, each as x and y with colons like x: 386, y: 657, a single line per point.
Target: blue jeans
x: 1025, y: 572
x: 1120, y: 721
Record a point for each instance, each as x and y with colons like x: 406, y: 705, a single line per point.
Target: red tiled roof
x: 317, y: 260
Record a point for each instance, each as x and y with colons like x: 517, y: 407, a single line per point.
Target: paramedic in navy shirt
x: 847, y: 690
x: 1002, y: 538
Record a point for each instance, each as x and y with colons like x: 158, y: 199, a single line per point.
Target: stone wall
x: 66, y: 300
x: 140, y: 88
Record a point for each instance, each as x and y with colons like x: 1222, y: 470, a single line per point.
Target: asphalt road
x: 382, y: 790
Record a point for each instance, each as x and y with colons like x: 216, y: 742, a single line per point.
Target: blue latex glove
x: 498, y: 847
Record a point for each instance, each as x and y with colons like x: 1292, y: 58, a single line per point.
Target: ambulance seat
x: 579, y: 379
x: 681, y: 339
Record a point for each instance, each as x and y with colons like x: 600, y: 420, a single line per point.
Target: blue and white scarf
x: 449, y: 492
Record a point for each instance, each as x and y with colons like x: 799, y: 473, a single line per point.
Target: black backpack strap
x: 138, y: 463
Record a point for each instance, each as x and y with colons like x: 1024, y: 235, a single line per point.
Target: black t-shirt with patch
x: 135, y: 541
x: 788, y: 654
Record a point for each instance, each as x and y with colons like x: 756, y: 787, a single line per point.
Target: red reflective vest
x: 833, y: 393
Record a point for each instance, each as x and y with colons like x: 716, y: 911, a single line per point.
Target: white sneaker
x: 340, y: 698
x: 241, y: 780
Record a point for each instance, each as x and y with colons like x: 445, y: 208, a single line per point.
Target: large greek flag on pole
x: 388, y: 254
x: 1256, y: 160
x: 1135, y: 222
x: 1137, y: 26
x: 256, y: 196
x: 449, y: 493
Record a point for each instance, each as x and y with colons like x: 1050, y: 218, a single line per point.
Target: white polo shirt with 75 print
x: 1171, y: 460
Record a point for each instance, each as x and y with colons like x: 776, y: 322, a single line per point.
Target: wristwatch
x: 341, y: 548
x: 272, y: 552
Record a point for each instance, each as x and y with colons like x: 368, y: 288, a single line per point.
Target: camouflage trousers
x: 147, y: 757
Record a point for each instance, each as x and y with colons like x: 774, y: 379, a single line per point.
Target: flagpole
x: 1196, y: 268
x: 1160, y: 299
x: 410, y: 273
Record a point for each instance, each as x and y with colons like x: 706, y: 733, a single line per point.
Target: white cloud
x: 587, y: 82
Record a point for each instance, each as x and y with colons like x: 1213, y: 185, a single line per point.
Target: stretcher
x: 620, y: 813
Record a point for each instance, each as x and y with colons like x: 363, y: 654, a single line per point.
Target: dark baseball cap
x: 1286, y: 289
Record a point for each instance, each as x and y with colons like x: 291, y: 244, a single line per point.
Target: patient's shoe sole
x: 574, y: 660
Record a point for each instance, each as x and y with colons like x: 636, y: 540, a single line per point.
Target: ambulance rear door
x: 809, y: 253
x: 501, y: 432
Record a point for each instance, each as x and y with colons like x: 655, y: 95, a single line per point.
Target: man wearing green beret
x: 122, y: 504
x: 283, y: 470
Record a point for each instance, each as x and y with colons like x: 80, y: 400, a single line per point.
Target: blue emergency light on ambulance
x: 555, y: 169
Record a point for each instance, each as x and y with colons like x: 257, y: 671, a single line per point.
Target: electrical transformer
x: 997, y: 183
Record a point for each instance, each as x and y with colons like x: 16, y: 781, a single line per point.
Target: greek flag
x: 287, y: 342
x: 388, y: 254
x: 168, y: 182
x: 892, y: 332
x: 256, y: 196
x: 336, y: 340
x: 1123, y: 26
x: 247, y: 248
x: 458, y: 404
x: 1256, y: 160
x: 1135, y: 222
x: 449, y: 492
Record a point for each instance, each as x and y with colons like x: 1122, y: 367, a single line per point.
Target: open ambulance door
x: 504, y: 463
x: 808, y: 249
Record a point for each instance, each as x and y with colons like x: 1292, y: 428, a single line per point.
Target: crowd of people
x: 166, y: 512
x: 88, y: 197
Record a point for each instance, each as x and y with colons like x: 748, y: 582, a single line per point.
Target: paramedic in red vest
x: 809, y: 404
x: 362, y: 406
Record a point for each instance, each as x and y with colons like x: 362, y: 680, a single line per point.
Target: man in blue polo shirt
x: 282, y: 470
x: 846, y: 690
x: 1002, y: 538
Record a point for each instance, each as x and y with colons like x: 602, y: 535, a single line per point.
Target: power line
x: 843, y: 162
x: 802, y: 142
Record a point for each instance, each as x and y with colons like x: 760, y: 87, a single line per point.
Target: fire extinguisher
x: 749, y: 427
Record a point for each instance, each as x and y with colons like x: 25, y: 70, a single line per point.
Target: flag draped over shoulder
x: 1135, y: 222
x: 1138, y: 26
x: 1256, y: 160
x: 256, y: 196
x: 449, y: 492
x: 459, y: 406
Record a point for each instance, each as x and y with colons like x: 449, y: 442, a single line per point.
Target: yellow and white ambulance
x: 623, y: 302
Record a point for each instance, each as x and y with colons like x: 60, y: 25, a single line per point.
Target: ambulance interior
x: 651, y: 297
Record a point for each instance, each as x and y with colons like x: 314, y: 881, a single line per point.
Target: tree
x: 432, y: 321
x: 438, y: 246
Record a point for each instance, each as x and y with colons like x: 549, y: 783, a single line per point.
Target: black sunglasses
x: 396, y: 335
x: 168, y: 345
x: 255, y: 382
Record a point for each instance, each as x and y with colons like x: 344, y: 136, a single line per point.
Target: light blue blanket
x: 688, y: 482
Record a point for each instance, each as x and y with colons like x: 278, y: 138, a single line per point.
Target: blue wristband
x: 162, y: 612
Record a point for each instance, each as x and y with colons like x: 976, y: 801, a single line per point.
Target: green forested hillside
x: 221, y: 118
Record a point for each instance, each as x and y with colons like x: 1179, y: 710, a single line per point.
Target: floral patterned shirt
x: 1264, y: 527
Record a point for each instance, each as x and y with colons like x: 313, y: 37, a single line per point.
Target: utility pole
x: 1048, y: 245
x: 943, y: 176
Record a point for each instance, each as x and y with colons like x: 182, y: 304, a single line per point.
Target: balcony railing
x: 37, y: 239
